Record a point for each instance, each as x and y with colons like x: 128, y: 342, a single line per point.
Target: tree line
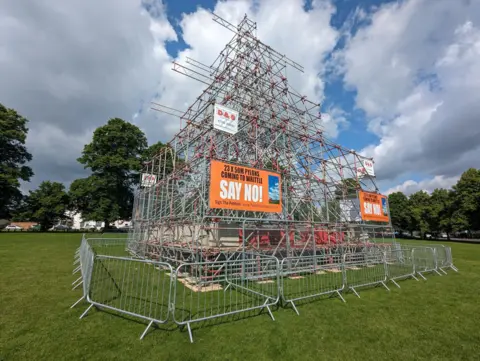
x: 114, y: 157
x: 449, y: 211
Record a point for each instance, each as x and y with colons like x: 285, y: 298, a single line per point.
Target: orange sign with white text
x: 373, y: 207
x: 244, y: 189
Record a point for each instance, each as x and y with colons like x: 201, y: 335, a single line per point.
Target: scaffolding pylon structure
x: 269, y: 127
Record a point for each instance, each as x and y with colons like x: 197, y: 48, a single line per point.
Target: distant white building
x: 77, y: 222
x: 76, y: 219
x: 122, y: 224
x: 91, y: 224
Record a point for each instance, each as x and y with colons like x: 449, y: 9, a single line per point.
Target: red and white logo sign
x: 225, y: 119
x: 225, y: 114
x: 367, y: 168
x: 148, y: 180
x: 361, y: 171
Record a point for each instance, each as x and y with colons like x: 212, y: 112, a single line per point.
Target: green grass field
x: 433, y: 320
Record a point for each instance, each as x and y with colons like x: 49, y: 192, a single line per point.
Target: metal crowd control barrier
x: 247, y: 283
x: 85, y: 261
x: 449, y: 263
x: 364, y: 269
x: 441, y: 257
x: 77, y: 264
x: 444, y: 258
x: 237, y: 282
x: 425, y: 260
x: 400, y: 264
x: 130, y: 286
x: 308, y: 277
x: 84, y: 252
x: 133, y: 287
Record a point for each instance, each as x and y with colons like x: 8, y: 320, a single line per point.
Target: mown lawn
x: 433, y: 320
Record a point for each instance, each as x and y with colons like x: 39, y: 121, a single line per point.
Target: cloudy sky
x: 399, y: 80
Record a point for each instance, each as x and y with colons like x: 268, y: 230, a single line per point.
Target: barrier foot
x: 444, y: 272
x: 396, y: 284
x: 295, y: 308
x: 226, y: 288
x: 438, y: 273
x: 76, y: 303
x: 189, y: 332
x: 86, y: 311
x: 270, y: 312
x: 415, y: 278
x: 76, y: 270
x: 78, y: 279
x: 353, y: 290
x: 384, y: 285
x: 77, y: 285
x: 422, y: 276
x: 146, y: 330
x: 341, y: 297
x: 454, y: 268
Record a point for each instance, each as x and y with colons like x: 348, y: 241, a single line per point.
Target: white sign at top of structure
x: 148, y: 180
x: 366, y: 168
x: 225, y: 119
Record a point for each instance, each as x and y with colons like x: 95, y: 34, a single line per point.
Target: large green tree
x: 440, y: 209
x: 13, y: 157
x: 46, y: 205
x: 448, y: 211
x: 420, y: 205
x: 400, y: 212
x: 467, y: 192
x: 115, y: 158
x: 446, y: 215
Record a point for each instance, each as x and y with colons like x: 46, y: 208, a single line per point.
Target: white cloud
x: 334, y: 120
x: 70, y: 66
x: 428, y: 185
x: 415, y: 69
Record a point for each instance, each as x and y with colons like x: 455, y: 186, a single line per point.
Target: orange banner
x: 373, y: 207
x: 244, y: 189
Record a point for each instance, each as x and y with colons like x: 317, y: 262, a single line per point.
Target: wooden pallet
x: 200, y: 288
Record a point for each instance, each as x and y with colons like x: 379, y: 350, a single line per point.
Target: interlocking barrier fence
x: 307, y: 277
x: 206, y: 290
x: 238, y: 282
x: 365, y: 269
x: 400, y: 264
